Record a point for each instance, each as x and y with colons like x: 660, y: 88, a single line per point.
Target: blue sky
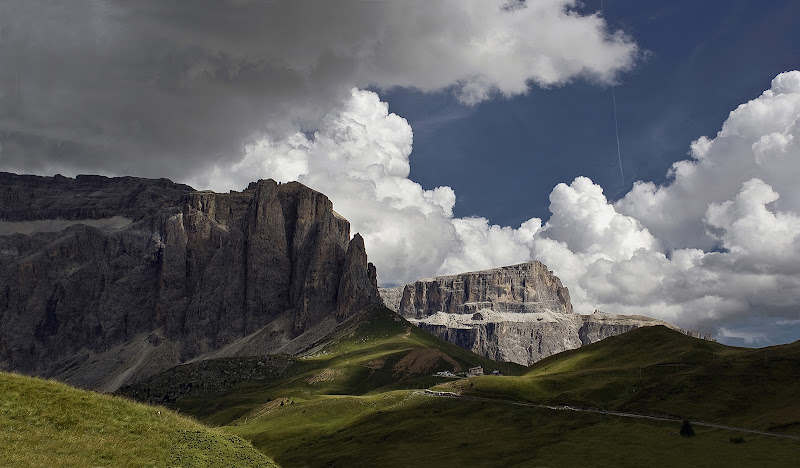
x: 703, y: 59
x: 456, y: 135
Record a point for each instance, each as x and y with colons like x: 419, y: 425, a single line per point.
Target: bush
x: 737, y: 440
x: 686, y: 429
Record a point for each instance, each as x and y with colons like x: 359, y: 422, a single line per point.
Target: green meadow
x: 658, y: 371
x: 352, y: 402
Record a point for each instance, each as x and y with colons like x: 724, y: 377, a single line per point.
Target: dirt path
x: 613, y: 413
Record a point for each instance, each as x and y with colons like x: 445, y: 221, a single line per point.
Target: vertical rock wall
x: 189, y: 273
x: 524, y: 288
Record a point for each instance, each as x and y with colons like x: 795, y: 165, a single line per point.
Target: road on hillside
x: 610, y: 413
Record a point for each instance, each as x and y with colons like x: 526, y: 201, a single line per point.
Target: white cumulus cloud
x: 716, y: 247
x: 234, y: 90
x: 758, y: 140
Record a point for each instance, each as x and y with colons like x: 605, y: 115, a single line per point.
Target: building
x: 478, y: 370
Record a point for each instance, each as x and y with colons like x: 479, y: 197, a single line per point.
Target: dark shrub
x: 686, y: 429
x: 737, y: 440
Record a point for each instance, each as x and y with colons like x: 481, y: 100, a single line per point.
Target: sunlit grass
x: 49, y: 424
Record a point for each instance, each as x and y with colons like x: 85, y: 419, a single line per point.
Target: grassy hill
x: 400, y: 429
x: 49, y: 424
x: 374, y: 352
x: 655, y: 370
x: 348, y: 403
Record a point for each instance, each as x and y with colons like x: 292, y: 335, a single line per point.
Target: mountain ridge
x: 187, y: 273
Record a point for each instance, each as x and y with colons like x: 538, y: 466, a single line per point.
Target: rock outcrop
x: 519, y: 313
x: 104, y: 281
x: 358, y: 288
x: 600, y: 325
x: 524, y: 288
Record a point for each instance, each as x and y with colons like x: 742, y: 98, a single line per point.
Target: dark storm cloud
x: 93, y: 85
x: 160, y: 88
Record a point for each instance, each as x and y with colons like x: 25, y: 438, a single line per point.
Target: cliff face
x: 524, y: 288
x: 105, y: 281
x: 521, y: 341
x: 519, y: 313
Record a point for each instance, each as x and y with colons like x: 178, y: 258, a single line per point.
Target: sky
x: 646, y: 152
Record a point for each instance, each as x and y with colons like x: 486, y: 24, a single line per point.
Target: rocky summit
x: 519, y: 313
x: 104, y: 281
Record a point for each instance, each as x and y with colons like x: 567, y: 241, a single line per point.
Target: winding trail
x: 612, y: 413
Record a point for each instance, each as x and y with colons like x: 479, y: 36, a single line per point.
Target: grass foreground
x: 49, y: 424
x: 402, y: 428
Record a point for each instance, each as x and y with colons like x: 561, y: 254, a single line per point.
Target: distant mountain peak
x: 518, y: 313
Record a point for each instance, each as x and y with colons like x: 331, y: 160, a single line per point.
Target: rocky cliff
x: 519, y: 313
x: 106, y: 280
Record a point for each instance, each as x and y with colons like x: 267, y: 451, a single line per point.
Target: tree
x: 686, y: 429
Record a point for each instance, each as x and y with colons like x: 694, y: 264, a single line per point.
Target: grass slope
x: 655, y: 370
x: 45, y: 423
x: 400, y: 429
x: 374, y: 352
x: 347, y: 403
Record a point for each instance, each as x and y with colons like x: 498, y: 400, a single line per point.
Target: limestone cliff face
x: 523, y: 341
x: 524, y: 288
x: 104, y: 281
x: 358, y: 288
x: 519, y: 313
x: 86, y: 197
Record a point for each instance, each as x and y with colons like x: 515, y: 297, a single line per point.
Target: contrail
x: 616, y: 130
x: 616, y: 122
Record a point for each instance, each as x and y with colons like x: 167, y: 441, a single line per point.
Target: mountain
x: 519, y: 313
x: 46, y: 423
x: 104, y: 281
